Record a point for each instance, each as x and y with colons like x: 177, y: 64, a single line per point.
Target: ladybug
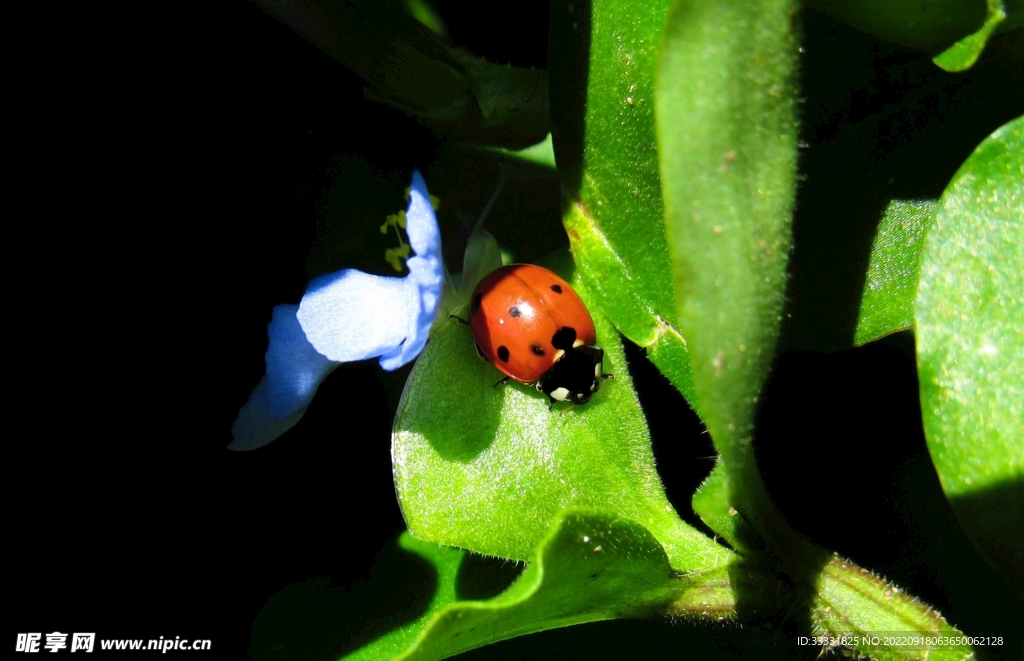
x: 535, y: 328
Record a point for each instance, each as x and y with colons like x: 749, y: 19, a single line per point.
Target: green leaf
x: 483, y: 255
x: 512, y: 101
x: 489, y: 469
x: 603, y: 58
x: 965, y: 52
x: 409, y: 581
x: 727, y: 143
x: 928, y: 26
x: 878, y: 619
x: 542, y: 153
x: 409, y: 66
x: 446, y: 563
x: 887, y: 304
x: 970, y: 347
x: 425, y: 12
x: 711, y: 503
x: 954, y: 29
x: 607, y: 270
x: 726, y: 110
x: 590, y: 567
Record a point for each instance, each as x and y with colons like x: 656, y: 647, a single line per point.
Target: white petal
x: 421, y: 223
x: 294, y: 368
x: 294, y: 371
x: 426, y: 274
x: 351, y: 315
x: 345, y: 316
x: 255, y: 426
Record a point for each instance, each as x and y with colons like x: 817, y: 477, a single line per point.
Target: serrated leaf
x: 489, y: 469
x: 887, y: 304
x: 727, y: 132
x: 590, y: 567
x: 970, y: 347
x: 603, y: 58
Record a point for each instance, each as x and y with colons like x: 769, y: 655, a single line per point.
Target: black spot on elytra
x: 564, y: 338
x: 537, y: 350
x: 503, y: 353
x: 556, y: 288
x: 514, y: 311
x: 476, y: 304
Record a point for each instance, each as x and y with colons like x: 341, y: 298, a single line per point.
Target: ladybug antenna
x: 502, y: 180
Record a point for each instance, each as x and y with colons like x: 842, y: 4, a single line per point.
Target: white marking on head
x: 560, y: 394
x: 558, y: 355
x: 577, y: 344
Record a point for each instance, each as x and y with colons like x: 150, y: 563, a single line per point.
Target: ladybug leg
x: 458, y: 319
x: 571, y: 399
x: 501, y: 382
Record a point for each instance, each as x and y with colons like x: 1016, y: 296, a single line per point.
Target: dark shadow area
x: 465, y: 422
x: 843, y: 454
x: 523, y: 218
x: 640, y: 639
x: 235, y: 128
x: 839, y: 440
x: 774, y: 594
x: 321, y: 619
x: 518, y: 37
x: 232, y: 163
x: 569, y: 54
x: 683, y: 451
x: 880, y: 122
x: 483, y: 577
x: 983, y: 514
x: 768, y: 594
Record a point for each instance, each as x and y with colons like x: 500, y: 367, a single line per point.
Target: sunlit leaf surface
x: 604, y: 56
x: 887, y: 304
x: 970, y: 347
x: 965, y: 52
x: 489, y: 469
x: 727, y: 142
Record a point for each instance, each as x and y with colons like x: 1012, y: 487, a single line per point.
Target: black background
x: 184, y: 172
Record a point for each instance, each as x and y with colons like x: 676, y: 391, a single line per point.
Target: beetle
x: 533, y: 326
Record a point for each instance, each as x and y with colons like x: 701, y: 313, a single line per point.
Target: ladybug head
x: 575, y: 377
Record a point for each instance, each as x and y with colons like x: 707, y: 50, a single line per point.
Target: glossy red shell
x: 515, y: 313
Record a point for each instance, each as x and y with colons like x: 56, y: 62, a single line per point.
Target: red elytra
x: 524, y: 318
